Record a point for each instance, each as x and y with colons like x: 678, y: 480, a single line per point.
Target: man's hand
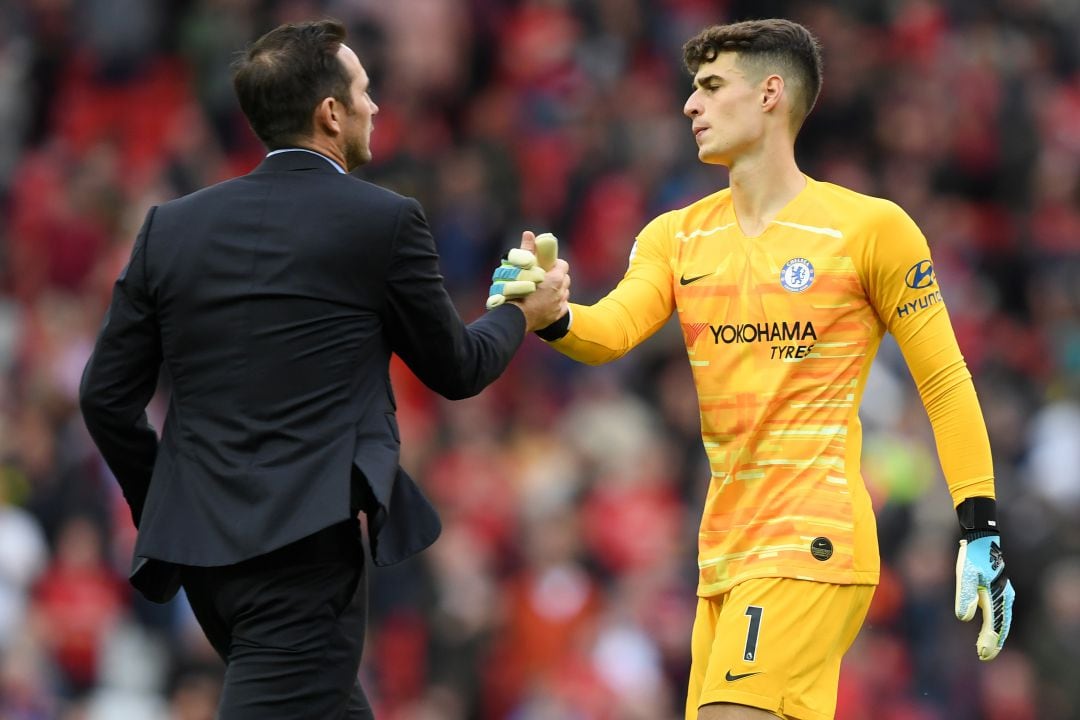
x: 981, y: 581
x: 516, y: 277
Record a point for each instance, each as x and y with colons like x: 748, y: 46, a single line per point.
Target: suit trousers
x: 290, y: 627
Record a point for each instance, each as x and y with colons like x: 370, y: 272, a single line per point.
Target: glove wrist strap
x: 978, y: 517
x: 556, y: 330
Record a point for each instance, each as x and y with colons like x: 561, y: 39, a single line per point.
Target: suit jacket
x: 274, y: 300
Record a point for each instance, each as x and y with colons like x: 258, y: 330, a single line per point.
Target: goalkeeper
x: 784, y: 287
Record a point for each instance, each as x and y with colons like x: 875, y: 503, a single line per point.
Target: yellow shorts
x: 774, y: 644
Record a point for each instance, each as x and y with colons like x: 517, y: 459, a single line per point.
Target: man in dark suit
x: 275, y: 301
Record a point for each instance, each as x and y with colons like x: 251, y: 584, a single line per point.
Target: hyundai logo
x: 921, y: 275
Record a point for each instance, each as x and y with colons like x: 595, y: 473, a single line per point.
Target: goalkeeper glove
x: 980, y: 576
x: 547, y: 250
x: 516, y: 277
x: 521, y: 271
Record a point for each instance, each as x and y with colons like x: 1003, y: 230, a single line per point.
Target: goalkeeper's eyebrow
x: 704, y: 80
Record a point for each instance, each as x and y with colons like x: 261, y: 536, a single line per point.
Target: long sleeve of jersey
x: 899, y: 276
x: 638, y: 306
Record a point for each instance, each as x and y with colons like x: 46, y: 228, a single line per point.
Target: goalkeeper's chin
x: 712, y: 157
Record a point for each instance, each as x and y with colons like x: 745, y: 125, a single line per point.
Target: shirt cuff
x: 556, y: 330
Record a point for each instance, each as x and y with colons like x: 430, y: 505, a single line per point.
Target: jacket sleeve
x: 120, y: 378
x: 453, y: 359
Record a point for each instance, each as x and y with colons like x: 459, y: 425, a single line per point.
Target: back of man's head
x: 282, y: 77
x: 764, y: 47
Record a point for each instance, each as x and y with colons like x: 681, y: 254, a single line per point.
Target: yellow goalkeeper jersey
x: 780, y: 330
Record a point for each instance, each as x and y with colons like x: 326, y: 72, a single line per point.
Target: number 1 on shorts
x: 752, y: 632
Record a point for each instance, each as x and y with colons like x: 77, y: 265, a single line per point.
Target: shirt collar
x: 312, y: 152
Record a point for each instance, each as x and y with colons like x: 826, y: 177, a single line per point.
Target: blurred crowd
x: 563, y: 585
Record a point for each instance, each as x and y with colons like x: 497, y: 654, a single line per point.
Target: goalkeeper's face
x: 358, y: 119
x: 725, y: 111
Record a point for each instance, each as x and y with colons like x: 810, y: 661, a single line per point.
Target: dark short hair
x: 283, y: 76
x: 781, y: 46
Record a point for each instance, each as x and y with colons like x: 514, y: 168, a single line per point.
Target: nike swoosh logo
x: 732, y: 678
x: 687, y: 280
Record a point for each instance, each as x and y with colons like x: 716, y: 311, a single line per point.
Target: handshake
x: 522, y: 271
x: 539, y: 284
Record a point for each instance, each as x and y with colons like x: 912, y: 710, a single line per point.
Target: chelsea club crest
x: 797, y: 274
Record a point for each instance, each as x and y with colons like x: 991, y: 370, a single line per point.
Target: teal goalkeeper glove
x: 521, y: 271
x: 516, y: 277
x: 980, y: 576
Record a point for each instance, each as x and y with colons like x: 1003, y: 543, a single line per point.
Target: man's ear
x: 772, y: 90
x: 327, y: 116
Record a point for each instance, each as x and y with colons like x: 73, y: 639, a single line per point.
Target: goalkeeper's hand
x: 516, y: 277
x: 522, y: 271
x: 981, y: 581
